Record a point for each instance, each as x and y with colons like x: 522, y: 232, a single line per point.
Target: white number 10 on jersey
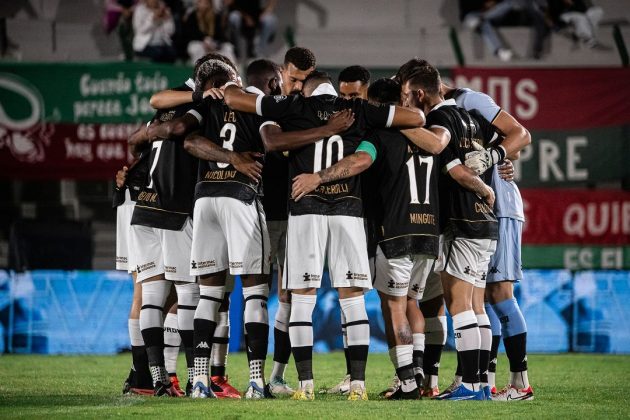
x: 319, y: 152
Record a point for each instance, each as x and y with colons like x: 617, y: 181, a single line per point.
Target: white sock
x: 467, y: 340
x: 172, y: 342
x: 135, y: 335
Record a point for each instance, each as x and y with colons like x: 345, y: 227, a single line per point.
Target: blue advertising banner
x: 85, y: 312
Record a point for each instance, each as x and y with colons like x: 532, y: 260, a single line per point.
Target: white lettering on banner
x: 93, y: 87
x: 97, y: 108
x: 86, y: 132
x: 578, y: 258
x: 81, y: 151
x: 586, y: 258
x: 506, y: 92
x: 138, y: 105
x: 154, y: 83
x: 573, y: 158
x: 525, y: 91
x: 549, y: 153
x: 612, y: 258
x: 597, y: 219
x: 109, y: 151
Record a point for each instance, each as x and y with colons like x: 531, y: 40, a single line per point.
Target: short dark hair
x: 384, y: 91
x: 215, y: 71
x: 406, y: 69
x: 214, y: 56
x: 316, y: 77
x: 426, y: 78
x: 300, y: 57
x: 355, y: 73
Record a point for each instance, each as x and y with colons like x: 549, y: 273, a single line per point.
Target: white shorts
x: 433, y: 288
x: 157, y: 251
x: 123, y: 229
x: 313, y: 237
x: 278, y: 240
x: 505, y: 263
x: 467, y: 259
x: 402, y: 276
x: 228, y: 233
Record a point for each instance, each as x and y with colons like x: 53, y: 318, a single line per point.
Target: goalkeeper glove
x: 482, y: 159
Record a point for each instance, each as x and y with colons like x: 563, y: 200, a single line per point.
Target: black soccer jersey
x: 461, y: 209
x: 166, y: 199
x: 405, y: 186
x: 275, y: 178
x: 232, y: 130
x: 295, y: 112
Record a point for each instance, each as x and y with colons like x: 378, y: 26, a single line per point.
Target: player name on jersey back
x: 404, y: 179
x: 166, y: 197
x: 232, y: 130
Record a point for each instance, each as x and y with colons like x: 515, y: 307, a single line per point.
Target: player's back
x: 404, y: 179
x: 166, y: 199
x: 232, y: 130
x: 461, y: 209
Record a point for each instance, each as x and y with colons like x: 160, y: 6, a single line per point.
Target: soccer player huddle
x: 404, y: 185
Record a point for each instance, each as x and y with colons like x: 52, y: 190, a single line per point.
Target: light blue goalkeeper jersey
x: 508, y: 197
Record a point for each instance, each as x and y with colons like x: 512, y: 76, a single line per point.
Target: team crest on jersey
x: 279, y: 98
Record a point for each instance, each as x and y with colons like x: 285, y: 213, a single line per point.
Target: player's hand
x: 247, y: 164
x: 304, y: 184
x: 506, y: 170
x: 214, y: 93
x: 482, y: 159
x: 489, y: 197
x: 340, y: 122
x: 121, y: 177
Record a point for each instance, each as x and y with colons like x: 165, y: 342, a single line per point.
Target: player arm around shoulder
x: 245, y: 162
x: 347, y: 167
x: 275, y: 139
x: 432, y: 140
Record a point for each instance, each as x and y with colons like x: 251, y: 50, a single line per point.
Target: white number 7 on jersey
x: 156, y: 145
x: 413, y: 185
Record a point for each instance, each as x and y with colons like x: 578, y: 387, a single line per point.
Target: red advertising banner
x: 588, y: 217
x: 55, y: 151
x: 555, y: 99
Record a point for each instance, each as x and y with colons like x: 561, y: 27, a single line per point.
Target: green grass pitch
x: 565, y: 386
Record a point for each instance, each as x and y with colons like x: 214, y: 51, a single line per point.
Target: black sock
x: 431, y: 361
x: 358, y: 360
x: 484, y: 359
x: 494, y: 351
x: 458, y: 370
x: 282, y: 346
x: 515, y: 349
x: 202, y: 337
x: 470, y: 365
x: 346, y: 354
x: 303, y: 362
x: 418, y: 362
x: 257, y: 339
x: 142, y: 374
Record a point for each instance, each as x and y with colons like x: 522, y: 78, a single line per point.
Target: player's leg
x: 149, y: 260
x: 208, y: 261
x: 495, y: 326
x: 432, y: 308
x: 350, y: 274
x: 307, y: 236
x: 221, y: 340
x: 458, y: 283
x: 282, y: 343
x: 250, y: 260
x: 505, y: 269
x: 187, y: 301
x: 172, y: 339
x: 139, y: 381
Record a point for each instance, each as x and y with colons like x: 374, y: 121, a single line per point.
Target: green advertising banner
x: 576, y: 257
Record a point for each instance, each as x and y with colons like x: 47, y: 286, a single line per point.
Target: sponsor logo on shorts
x: 467, y: 270
x: 483, y: 276
x: 415, y: 288
x: 121, y: 259
x: 311, y: 277
x: 170, y: 269
x: 236, y: 264
x: 357, y: 276
x: 504, y: 319
x: 145, y: 267
x: 202, y: 264
x: 395, y: 285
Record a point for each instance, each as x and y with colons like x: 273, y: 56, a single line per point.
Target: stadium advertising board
x: 579, y: 121
x: 73, y: 120
x: 576, y: 229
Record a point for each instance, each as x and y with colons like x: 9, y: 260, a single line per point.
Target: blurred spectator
x: 485, y: 15
x: 579, y: 16
x: 246, y: 17
x: 153, y: 27
x: 118, y: 15
x: 203, y: 32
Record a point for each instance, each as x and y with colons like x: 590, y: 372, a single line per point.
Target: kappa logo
x: 25, y: 136
x: 279, y: 98
x: 494, y: 270
x: 203, y: 345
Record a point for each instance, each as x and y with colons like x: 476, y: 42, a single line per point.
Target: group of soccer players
x: 402, y: 184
